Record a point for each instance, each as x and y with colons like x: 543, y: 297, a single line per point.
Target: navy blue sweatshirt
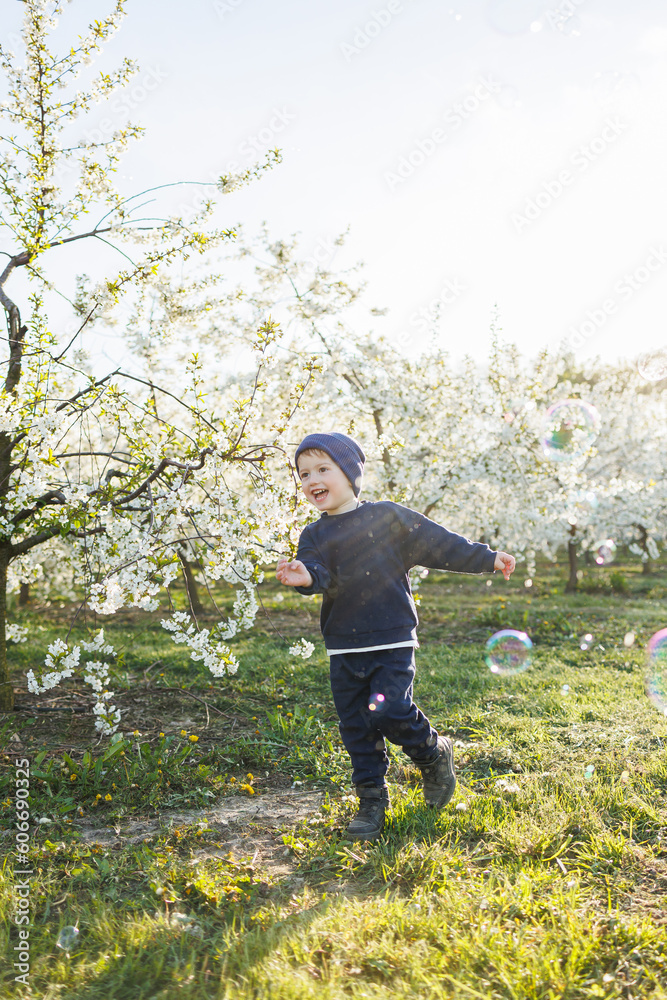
x: 360, y: 562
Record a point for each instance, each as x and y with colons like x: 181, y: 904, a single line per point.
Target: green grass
x: 539, y: 880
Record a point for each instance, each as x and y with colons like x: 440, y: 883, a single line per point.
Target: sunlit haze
x: 507, y: 153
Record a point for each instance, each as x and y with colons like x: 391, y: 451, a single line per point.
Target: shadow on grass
x: 170, y: 962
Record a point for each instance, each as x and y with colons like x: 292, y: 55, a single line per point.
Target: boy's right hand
x: 293, y: 574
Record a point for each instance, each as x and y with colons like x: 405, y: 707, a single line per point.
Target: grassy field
x: 544, y: 878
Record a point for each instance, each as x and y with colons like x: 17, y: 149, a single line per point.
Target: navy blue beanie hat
x: 344, y: 450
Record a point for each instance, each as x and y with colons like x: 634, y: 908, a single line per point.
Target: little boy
x: 358, y: 555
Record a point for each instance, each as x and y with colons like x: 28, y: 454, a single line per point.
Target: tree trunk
x: 386, y: 457
x: 573, y: 581
x: 24, y: 595
x: 6, y: 686
x: 191, y: 586
x: 647, y: 563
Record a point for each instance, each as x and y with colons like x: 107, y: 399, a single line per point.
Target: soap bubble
x: 606, y: 552
x: 656, y: 677
x: 569, y: 429
x: 565, y: 690
x: 376, y: 703
x: 653, y: 366
x: 629, y: 639
x: 589, y: 772
x: 508, y: 652
x: 585, y: 641
x: 67, y: 938
x: 513, y: 17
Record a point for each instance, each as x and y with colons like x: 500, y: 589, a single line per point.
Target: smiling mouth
x: 320, y: 494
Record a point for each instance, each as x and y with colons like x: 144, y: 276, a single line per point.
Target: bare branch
x: 165, y: 392
x: 63, y: 353
x: 116, y: 455
x: 160, y: 468
x: 85, y: 391
x: 18, y: 548
x: 47, y: 498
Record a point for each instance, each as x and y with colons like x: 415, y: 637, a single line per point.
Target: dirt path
x: 245, y: 826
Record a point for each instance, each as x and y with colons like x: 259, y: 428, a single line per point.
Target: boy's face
x: 324, y: 483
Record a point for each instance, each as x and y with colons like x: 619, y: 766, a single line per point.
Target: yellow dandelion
x: 72, y: 777
x: 250, y: 777
x: 161, y: 734
x: 232, y: 780
x: 183, y: 732
x: 107, y: 798
x: 193, y: 738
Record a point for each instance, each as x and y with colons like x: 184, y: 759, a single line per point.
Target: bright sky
x: 482, y: 151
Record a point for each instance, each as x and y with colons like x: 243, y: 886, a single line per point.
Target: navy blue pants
x: 372, y: 692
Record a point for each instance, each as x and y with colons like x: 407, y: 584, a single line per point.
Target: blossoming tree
x: 102, y: 460
x: 465, y: 443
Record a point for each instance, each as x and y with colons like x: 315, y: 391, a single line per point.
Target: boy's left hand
x: 506, y: 563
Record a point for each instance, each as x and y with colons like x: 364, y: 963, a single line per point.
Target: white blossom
x: 16, y: 633
x: 302, y: 648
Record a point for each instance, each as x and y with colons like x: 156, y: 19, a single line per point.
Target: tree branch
x: 43, y: 501
x: 19, y: 548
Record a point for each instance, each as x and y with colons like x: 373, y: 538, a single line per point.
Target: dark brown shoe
x: 439, y: 777
x: 368, y: 824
